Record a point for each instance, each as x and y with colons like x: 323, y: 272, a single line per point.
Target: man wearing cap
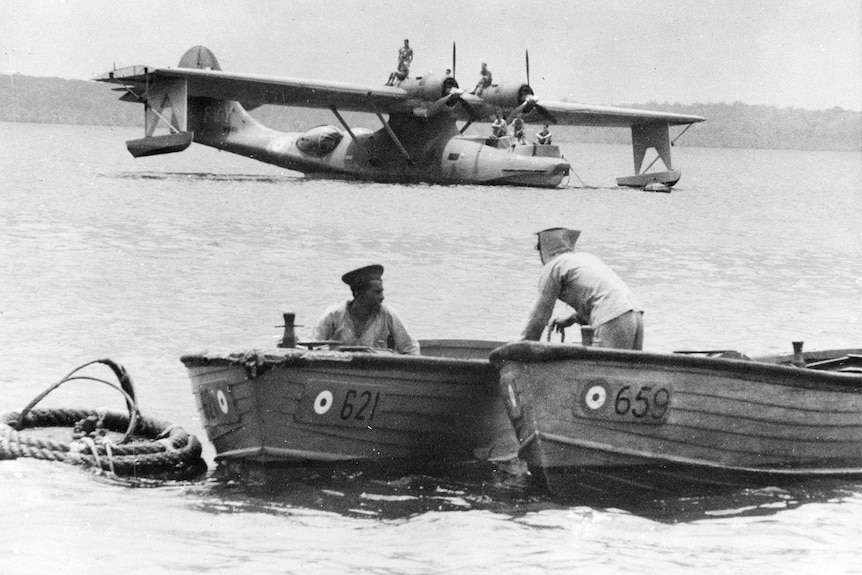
x: 595, y: 291
x: 365, y: 320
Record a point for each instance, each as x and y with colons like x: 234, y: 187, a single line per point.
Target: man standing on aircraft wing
x: 365, y: 320
x: 405, y: 57
x: 595, y: 291
x: 484, y: 81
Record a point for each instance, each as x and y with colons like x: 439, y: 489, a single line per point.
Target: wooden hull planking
x: 597, y: 420
x: 296, y: 406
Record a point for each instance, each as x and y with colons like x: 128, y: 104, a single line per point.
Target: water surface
x: 143, y: 260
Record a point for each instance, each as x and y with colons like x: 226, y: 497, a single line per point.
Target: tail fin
x: 206, y: 120
x: 199, y: 57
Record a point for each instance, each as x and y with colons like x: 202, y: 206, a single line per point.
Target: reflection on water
x: 202, y: 176
x: 378, y: 492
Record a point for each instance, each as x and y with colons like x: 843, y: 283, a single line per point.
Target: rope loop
x: 149, y: 448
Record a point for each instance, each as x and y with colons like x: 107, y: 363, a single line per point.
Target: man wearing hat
x: 365, y: 320
x: 595, y: 291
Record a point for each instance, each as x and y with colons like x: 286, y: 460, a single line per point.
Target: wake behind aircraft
x: 419, y: 139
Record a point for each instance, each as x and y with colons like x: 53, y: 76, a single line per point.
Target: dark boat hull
x: 611, y: 422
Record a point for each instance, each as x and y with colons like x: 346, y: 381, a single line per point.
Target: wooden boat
x: 601, y: 423
x: 305, y: 406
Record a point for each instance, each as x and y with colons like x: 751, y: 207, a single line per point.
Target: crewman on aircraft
x: 405, y: 57
x: 499, y: 129
x: 405, y: 53
x: 484, y: 81
x: 518, y: 129
x: 543, y: 138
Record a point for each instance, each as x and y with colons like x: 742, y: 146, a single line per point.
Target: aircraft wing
x: 258, y: 90
x: 572, y: 114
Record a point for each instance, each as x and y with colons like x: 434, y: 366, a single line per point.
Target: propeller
x: 529, y: 101
x: 453, y: 60
x: 453, y: 97
x: 448, y: 100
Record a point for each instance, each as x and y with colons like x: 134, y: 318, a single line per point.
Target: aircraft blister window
x: 319, y: 141
x: 453, y: 156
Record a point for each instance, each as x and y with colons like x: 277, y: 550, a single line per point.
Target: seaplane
x: 421, y: 138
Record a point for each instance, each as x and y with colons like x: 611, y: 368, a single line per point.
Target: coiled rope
x: 148, y: 449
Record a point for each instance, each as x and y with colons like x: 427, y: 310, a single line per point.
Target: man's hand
x: 558, y: 324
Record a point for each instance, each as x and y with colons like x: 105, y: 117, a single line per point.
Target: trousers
x: 623, y: 332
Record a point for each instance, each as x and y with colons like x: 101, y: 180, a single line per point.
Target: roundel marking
x: 595, y: 397
x: 222, y: 401
x: 323, y: 402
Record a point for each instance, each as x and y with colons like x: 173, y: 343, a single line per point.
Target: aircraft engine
x: 506, y: 96
x: 431, y: 87
x: 320, y: 141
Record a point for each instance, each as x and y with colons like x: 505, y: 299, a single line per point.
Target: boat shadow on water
x: 385, y: 492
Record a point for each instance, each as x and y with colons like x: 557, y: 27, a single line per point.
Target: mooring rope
x: 149, y: 448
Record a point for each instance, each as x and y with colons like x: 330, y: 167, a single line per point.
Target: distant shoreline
x: 29, y: 99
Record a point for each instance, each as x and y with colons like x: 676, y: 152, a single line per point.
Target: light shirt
x: 336, y: 324
x: 584, y: 282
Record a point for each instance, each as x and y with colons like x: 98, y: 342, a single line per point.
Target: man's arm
x: 325, y: 328
x: 404, y: 342
x: 543, y: 307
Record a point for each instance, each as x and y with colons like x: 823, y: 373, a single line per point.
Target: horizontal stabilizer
x: 155, y: 145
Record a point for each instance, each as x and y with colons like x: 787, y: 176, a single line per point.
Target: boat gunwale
x: 779, y: 374
x: 265, y: 359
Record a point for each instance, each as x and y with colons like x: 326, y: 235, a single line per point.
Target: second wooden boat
x: 603, y: 423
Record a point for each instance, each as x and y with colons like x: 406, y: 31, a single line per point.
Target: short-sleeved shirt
x: 382, y: 331
x: 584, y: 282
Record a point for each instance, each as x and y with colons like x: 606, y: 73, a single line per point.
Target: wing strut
x: 392, y: 135
x: 650, y: 136
x: 656, y: 159
x: 343, y: 123
x: 645, y: 136
x: 132, y: 96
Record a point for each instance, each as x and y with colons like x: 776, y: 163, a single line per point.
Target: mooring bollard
x: 289, y: 338
x: 587, y: 335
x: 798, y: 359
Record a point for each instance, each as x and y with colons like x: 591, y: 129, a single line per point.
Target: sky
x: 788, y: 53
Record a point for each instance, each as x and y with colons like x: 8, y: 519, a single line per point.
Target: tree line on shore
x: 736, y: 125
